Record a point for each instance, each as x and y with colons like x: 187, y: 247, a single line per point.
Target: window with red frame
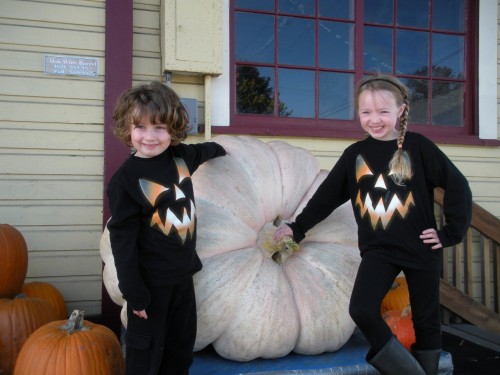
x: 295, y: 62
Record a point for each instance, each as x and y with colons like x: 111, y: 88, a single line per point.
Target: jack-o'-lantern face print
x: 164, y: 217
x: 378, y: 196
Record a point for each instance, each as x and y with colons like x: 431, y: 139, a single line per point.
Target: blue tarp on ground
x: 350, y: 359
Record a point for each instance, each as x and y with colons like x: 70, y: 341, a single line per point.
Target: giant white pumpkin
x: 250, y: 305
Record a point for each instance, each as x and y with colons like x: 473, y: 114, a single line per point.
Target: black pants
x: 373, y: 281
x: 163, y: 343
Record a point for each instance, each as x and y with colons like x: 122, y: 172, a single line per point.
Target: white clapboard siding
x: 72, y: 12
x: 51, y: 188
x: 51, y: 143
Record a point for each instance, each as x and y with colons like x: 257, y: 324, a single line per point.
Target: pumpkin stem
x: 286, y: 247
x: 75, y: 321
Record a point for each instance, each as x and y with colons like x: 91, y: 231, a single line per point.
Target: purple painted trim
x: 118, y: 77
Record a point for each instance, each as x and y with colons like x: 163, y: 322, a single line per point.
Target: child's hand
x: 141, y: 314
x: 282, y: 231
x: 430, y: 236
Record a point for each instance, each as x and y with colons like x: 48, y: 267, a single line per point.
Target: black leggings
x: 163, y: 343
x: 374, y: 279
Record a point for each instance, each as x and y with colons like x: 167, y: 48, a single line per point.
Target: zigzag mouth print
x: 379, y: 214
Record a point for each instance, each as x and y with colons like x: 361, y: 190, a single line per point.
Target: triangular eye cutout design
x: 362, y: 168
x: 152, y: 190
x: 380, y: 183
x: 178, y: 193
x: 182, y: 169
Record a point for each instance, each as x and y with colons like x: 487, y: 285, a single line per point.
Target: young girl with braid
x: 389, y: 177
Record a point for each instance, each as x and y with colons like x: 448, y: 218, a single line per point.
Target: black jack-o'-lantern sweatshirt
x: 391, y: 218
x: 153, y: 219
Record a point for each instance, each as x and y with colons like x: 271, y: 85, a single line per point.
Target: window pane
x: 296, y: 92
x: 298, y: 59
x: 413, y: 13
x: 336, y: 96
x: 449, y: 15
x: 412, y: 52
x: 377, y: 49
x: 379, y: 11
x: 303, y: 7
x: 255, y: 4
x: 254, y: 90
x: 296, y: 41
x: 336, y: 9
x: 447, y: 103
x: 336, y: 45
x: 254, y: 39
x: 419, y: 100
x: 447, y: 55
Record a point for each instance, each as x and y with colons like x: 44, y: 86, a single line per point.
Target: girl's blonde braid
x: 400, y: 165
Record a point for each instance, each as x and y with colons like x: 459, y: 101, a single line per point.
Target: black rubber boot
x: 395, y: 359
x: 428, y: 359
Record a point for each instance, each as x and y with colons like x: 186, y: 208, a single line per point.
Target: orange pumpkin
x: 19, y: 317
x: 13, y: 261
x: 398, y: 297
x: 401, y: 325
x: 49, y: 293
x: 76, y: 347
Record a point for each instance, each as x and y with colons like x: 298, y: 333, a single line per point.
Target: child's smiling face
x: 149, y: 139
x: 379, y: 114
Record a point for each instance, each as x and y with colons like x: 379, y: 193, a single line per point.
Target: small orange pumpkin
x: 401, y: 324
x: 79, y: 346
x: 13, y: 261
x: 19, y: 317
x: 398, y: 297
x: 49, y: 293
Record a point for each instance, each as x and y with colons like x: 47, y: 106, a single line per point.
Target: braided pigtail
x: 400, y: 164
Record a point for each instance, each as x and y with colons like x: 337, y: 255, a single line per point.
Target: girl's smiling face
x: 379, y: 113
x: 149, y: 139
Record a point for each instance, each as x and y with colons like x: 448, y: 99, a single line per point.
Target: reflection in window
x: 336, y: 9
x: 336, y: 96
x: 296, y: 90
x: 302, y: 7
x: 254, y: 90
x: 279, y: 54
x: 448, y: 15
x: 299, y: 59
x: 412, y: 52
x: 377, y: 49
x: 419, y: 103
x: 447, y: 103
x: 413, y: 13
x: 335, y: 45
x: 296, y: 41
x: 379, y: 11
x: 447, y: 55
x: 255, y: 36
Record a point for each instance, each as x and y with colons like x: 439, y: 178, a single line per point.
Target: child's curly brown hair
x: 156, y: 100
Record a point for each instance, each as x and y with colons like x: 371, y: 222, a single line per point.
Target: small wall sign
x: 72, y: 66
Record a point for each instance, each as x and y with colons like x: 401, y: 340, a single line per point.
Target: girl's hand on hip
x: 430, y: 236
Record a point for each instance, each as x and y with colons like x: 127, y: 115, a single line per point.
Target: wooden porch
x: 470, y: 285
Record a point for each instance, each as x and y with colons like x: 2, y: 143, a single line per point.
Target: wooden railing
x: 470, y: 284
